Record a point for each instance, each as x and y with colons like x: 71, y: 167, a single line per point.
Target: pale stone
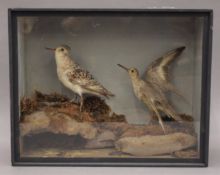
x: 35, y: 123
x: 155, y: 145
x: 39, y: 122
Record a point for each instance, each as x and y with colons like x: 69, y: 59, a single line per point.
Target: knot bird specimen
x: 75, y: 77
x: 151, y: 91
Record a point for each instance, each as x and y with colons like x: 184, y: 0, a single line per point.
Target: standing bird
x: 76, y: 78
x: 152, y: 91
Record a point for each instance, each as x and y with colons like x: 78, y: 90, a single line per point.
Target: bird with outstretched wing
x: 152, y: 90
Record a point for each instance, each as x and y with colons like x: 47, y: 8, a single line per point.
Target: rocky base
x: 51, y: 122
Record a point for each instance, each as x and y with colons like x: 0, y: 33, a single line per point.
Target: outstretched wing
x: 84, y: 79
x: 158, y: 71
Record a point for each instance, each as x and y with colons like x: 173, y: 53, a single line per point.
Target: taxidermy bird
x: 151, y: 91
x: 75, y: 77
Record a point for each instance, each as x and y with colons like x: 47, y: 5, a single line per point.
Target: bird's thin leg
x: 81, y: 103
x: 169, y: 111
x: 78, y: 98
x: 159, y: 118
x: 80, y: 107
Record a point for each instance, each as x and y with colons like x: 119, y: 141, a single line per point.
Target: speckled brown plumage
x: 76, y: 78
x: 84, y: 79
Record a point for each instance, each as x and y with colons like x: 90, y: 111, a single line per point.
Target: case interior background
x: 7, y: 169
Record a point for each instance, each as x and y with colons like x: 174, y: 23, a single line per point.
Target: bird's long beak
x: 51, y: 49
x: 123, y: 67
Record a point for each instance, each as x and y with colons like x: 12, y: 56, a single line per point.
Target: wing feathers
x: 158, y: 71
x: 84, y: 79
x: 170, y: 56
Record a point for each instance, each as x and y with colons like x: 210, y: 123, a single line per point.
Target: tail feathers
x: 171, y: 113
x: 100, y: 91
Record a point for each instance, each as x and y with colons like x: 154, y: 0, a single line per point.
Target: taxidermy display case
x: 110, y: 87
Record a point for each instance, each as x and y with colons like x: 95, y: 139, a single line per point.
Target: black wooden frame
x: 150, y: 162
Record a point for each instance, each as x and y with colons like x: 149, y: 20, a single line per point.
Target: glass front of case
x: 110, y: 86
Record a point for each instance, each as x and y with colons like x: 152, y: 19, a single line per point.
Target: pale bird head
x: 61, y: 51
x: 133, y: 72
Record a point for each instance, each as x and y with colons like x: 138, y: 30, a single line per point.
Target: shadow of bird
x: 152, y: 90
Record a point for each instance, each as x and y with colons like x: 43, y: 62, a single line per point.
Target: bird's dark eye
x: 62, y: 49
x: 132, y: 71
